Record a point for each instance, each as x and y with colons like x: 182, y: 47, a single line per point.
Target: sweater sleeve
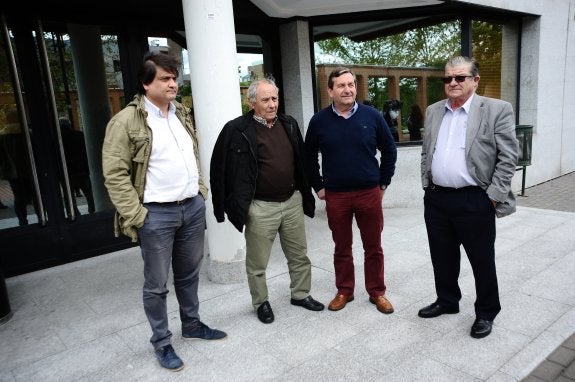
x: 388, y: 150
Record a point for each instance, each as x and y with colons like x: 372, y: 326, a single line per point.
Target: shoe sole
x: 172, y: 369
x: 318, y: 309
x: 204, y: 339
x: 176, y: 369
x: 424, y: 316
x: 481, y: 335
x: 335, y: 310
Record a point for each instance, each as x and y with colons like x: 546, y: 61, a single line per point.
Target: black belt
x: 452, y: 189
x: 177, y: 202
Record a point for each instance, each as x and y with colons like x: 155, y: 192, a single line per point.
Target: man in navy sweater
x: 352, y: 182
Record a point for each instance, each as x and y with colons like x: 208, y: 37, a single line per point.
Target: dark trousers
x: 366, y: 206
x: 462, y: 217
x: 172, y: 234
x: 82, y: 182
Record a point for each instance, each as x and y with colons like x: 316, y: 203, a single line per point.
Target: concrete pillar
x: 90, y: 70
x: 211, y: 43
x: 297, y: 73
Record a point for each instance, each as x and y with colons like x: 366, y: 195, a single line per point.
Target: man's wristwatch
x: 383, y: 187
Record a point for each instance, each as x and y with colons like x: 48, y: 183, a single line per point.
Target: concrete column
x: 90, y: 70
x: 297, y: 73
x: 210, y: 37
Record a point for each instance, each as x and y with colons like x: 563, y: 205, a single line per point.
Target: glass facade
x: 407, y: 66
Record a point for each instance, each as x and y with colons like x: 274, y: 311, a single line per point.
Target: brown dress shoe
x: 339, y: 302
x: 383, y: 305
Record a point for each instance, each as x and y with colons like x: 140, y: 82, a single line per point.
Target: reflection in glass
x: 18, y: 205
x: 407, y: 65
x: 16, y: 187
x: 78, y: 169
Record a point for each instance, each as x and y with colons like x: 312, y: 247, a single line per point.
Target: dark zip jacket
x: 234, y: 168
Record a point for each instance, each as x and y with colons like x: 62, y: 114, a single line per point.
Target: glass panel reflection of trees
x: 493, y: 45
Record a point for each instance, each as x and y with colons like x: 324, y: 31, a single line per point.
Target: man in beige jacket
x: 151, y: 169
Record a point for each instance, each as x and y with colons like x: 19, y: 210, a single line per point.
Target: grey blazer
x: 491, y: 148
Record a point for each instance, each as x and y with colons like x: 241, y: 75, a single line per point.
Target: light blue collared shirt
x: 352, y: 111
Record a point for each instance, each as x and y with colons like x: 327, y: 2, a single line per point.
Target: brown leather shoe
x: 383, y: 305
x: 339, y: 302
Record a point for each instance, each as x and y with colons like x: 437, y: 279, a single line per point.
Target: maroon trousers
x: 366, y: 205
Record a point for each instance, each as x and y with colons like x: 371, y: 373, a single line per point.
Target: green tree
x: 429, y: 47
x: 421, y: 47
x: 487, y: 38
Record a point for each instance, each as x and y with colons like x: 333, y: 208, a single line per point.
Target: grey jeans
x: 172, y: 234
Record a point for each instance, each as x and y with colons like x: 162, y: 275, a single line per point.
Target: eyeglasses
x: 458, y: 79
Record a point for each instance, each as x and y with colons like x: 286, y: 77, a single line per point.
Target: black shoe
x: 435, y: 310
x: 308, y: 303
x: 168, y: 358
x: 202, y: 331
x: 481, y: 328
x: 265, y: 313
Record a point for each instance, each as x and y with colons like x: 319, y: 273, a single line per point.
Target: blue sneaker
x: 169, y: 359
x: 202, y: 331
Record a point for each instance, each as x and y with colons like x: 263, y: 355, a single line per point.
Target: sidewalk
x: 556, y: 194
x: 84, y: 321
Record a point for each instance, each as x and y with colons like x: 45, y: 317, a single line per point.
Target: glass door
x: 58, y: 89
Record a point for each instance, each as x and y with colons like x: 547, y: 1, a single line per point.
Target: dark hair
x: 415, y: 113
x: 336, y: 73
x: 151, y: 61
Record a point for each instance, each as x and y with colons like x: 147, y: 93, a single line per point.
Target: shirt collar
x: 351, y: 112
x: 153, y: 109
x: 466, y: 106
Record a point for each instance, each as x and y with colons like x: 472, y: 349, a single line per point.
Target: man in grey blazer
x: 468, y: 159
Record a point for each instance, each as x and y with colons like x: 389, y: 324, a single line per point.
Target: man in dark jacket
x: 257, y: 177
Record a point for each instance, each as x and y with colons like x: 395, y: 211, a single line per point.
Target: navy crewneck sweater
x: 348, y: 150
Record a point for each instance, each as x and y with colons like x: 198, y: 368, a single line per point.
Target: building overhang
x: 310, y: 8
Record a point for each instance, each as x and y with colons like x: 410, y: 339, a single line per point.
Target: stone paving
x: 556, y: 194
x: 84, y: 321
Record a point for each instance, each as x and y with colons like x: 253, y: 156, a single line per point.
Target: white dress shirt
x: 172, y: 170
x: 448, y: 166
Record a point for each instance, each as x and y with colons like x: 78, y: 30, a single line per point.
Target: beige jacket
x: 125, y: 155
